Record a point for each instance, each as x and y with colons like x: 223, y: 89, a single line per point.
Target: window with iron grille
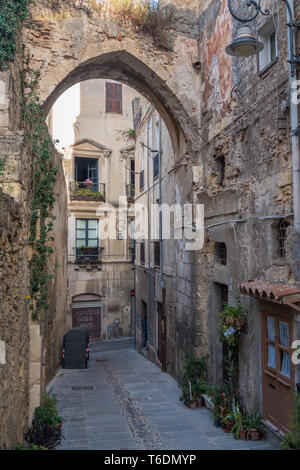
x: 156, y: 166
x: 142, y: 252
x: 114, y: 98
x: 282, y: 235
x: 221, y: 253
x: 157, y: 253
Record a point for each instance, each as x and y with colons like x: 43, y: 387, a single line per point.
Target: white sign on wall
x: 2, y: 353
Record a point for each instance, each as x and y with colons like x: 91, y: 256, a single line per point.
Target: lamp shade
x: 244, y: 44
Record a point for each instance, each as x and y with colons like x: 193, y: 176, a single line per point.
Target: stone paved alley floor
x: 122, y: 401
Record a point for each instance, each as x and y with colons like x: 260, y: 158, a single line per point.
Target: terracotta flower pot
x: 200, y: 401
x: 228, y: 427
x: 192, y: 405
x: 254, y: 435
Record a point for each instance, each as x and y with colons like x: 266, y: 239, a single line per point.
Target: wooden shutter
x: 118, y: 98
x: 109, y: 98
x: 113, y: 98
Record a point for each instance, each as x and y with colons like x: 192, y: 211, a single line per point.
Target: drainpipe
x: 149, y: 303
x: 160, y: 212
x: 294, y: 117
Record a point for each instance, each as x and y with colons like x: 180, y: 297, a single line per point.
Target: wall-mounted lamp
x: 244, y: 44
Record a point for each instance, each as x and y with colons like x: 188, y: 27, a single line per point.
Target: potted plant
x: 239, y: 422
x: 291, y: 440
x: 254, y: 427
x: 46, y: 425
x: 189, y: 399
x: 200, y: 388
x: 88, y: 182
x: 193, y: 383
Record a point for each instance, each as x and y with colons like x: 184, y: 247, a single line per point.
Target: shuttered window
x: 114, y: 98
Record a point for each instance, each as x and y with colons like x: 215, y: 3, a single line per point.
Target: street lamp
x: 244, y: 44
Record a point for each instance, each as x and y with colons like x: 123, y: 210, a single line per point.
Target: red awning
x: 287, y: 294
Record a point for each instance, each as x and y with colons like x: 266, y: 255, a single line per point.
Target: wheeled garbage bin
x: 76, y: 349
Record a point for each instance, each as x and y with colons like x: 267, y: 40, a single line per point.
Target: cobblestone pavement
x: 124, y: 402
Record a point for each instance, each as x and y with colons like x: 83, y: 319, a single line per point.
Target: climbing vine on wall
x: 39, y: 145
x: 12, y: 14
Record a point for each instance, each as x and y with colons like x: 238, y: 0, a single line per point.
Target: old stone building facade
x: 224, y: 134
x: 243, y: 177
x: 99, y: 172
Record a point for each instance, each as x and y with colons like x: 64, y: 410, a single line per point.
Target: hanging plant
x: 232, y: 323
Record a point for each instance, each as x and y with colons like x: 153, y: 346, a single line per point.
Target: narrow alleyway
x: 124, y: 402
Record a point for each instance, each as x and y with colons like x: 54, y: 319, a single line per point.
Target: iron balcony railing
x: 130, y: 192
x: 88, y: 256
x: 80, y: 191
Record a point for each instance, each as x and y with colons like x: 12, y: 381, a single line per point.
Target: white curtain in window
x: 284, y: 334
x: 285, y: 365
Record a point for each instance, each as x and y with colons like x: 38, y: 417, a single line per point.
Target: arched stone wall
x: 70, y: 46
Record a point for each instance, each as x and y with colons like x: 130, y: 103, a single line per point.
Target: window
x: 282, y: 228
x: 157, y: 253
x: 87, y: 236
x: 268, y: 37
x: 221, y: 253
x: 142, y: 252
x: 278, y: 353
x: 114, y: 98
x: 87, y: 169
x: 142, y: 168
x: 142, y: 180
x: 156, y: 166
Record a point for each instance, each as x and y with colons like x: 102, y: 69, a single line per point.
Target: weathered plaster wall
x: 242, y: 121
x: 32, y: 352
x: 14, y: 328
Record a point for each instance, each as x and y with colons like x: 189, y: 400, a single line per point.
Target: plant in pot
x: 291, y: 440
x: 254, y: 427
x: 189, y: 398
x: 222, y: 398
x: 46, y: 425
x: 200, y: 388
x: 193, y: 383
x: 238, y: 427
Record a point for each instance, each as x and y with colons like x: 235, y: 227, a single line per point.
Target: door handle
x: 272, y: 386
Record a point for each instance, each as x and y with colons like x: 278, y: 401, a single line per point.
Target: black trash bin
x: 76, y: 349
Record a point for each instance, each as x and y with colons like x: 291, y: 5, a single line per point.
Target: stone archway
x: 72, y: 46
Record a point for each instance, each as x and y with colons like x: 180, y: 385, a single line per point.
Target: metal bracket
x: 250, y: 4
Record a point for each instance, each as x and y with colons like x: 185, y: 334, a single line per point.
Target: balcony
x: 88, y: 256
x: 81, y: 191
x: 130, y: 192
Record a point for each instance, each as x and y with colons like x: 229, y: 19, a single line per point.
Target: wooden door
x: 89, y: 318
x: 278, y: 371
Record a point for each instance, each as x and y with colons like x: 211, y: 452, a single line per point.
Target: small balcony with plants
x: 88, y: 256
x: 87, y: 191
